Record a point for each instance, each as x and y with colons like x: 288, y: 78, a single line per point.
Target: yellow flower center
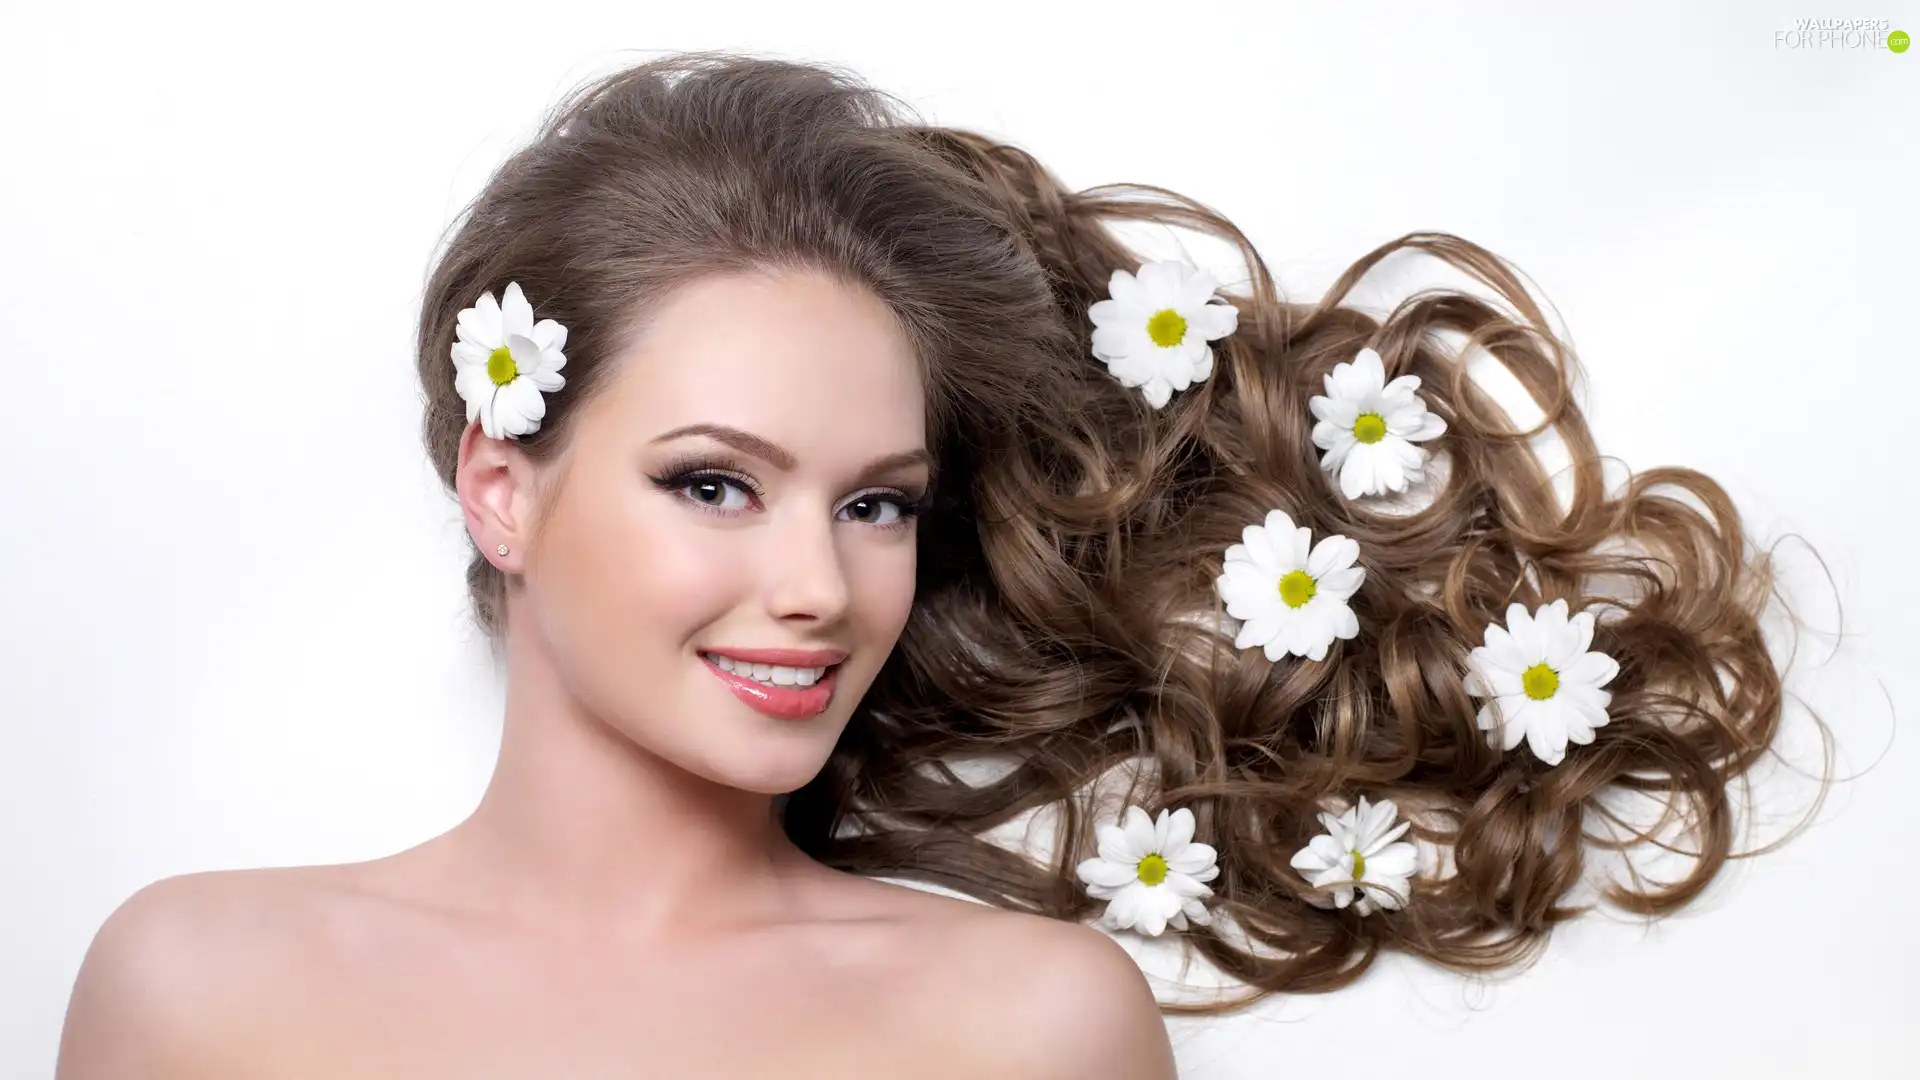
x: 501, y: 368
x: 1153, y: 870
x: 1369, y: 428
x: 1359, y: 865
x: 1540, y: 681
x: 1297, y: 587
x: 1167, y: 328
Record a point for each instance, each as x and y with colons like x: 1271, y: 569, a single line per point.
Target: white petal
x: 1179, y: 833
x: 1582, y: 627
x: 1586, y: 702
x: 1499, y: 681
x: 1110, y: 341
x: 1546, y: 732
x: 1263, y: 548
x: 1247, y: 590
x: 1346, y: 625
x: 1526, y: 634
x: 1590, y: 669
x: 1502, y: 652
x: 1124, y: 910
x: 1114, y: 846
x: 1389, y: 474
x: 1161, y: 283
x: 1197, y: 287
x: 1192, y: 858
x: 1356, y: 474
x: 1371, y: 369
x: 1394, y: 860
x: 551, y: 335
x: 1342, y: 584
x: 1139, y: 834
x: 520, y: 408
x: 1108, y: 874
x: 1296, y: 548
x: 1340, y: 412
x: 1389, y: 893
x: 480, y: 324
x: 1260, y: 630
x: 1202, y: 366
x: 1331, y: 554
x: 1320, y: 853
x: 525, y: 352
x: 1278, y: 529
x: 1552, y: 622
x: 1373, y: 820
x: 547, y: 379
x: 488, y: 408
x: 1156, y: 907
x: 1216, y: 321
x: 474, y: 387
x: 1341, y: 871
x: 1197, y: 911
x: 1185, y: 886
x: 1489, y: 717
x: 516, y: 315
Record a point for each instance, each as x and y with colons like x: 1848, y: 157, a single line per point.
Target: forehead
x: 807, y: 361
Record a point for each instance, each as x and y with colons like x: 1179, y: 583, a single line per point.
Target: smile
x: 806, y: 692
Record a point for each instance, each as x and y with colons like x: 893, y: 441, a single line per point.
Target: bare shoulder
x: 1066, y: 1000
x: 150, y: 996
x: 1019, y: 995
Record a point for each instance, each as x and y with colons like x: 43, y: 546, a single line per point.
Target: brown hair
x: 1076, y: 530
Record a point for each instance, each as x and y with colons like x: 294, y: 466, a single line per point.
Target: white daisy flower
x: 1153, y: 331
x: 1151, y: 872
x: 1294, y: 600
x: 1368, y: 427
x: 1361, y: 848
x: 504, y: 360
x: 1544, y: 682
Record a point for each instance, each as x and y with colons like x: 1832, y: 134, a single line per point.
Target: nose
x: 804, y: 575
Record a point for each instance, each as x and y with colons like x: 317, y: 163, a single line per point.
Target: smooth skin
x: 622, y: 903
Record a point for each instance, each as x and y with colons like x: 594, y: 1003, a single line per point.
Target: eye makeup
x: 707, y: 468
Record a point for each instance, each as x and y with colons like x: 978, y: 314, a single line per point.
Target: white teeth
x: 771, y: 674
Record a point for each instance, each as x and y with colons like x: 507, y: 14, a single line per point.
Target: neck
x: 582, y: 830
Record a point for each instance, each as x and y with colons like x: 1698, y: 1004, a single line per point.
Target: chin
x: 767, y: 774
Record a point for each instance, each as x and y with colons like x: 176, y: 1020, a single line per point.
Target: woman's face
x: 747, y: 484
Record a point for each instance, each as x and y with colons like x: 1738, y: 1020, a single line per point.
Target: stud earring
x: 501, y: 550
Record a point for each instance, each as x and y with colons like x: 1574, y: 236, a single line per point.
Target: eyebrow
x: 781, y: 458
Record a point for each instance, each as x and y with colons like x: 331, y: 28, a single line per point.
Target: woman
x: 805, y: 448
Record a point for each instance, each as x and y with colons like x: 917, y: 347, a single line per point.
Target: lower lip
x: 781, y: 702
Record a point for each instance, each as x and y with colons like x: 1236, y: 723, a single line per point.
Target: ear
x: 495, y: 484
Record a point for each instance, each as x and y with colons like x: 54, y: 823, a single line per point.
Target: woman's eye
x: 712, y: 492
x: 870, y: 509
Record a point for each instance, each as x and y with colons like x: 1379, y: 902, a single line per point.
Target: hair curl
x: 1077, y: 532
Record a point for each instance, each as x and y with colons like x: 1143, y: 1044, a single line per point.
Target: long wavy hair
x: 1065, y: 606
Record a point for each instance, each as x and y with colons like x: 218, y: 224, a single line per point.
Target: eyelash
x: 686, y: 472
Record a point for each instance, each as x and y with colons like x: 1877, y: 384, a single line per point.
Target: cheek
x: 625, y: 583
x: 884, y: 584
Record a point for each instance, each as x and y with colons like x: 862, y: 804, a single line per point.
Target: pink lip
x: 780, y: 702
x: 783, y: 657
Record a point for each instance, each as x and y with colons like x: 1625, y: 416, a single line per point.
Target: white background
x: 232, y: 624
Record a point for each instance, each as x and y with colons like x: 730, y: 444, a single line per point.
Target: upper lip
x: 800, y: 658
